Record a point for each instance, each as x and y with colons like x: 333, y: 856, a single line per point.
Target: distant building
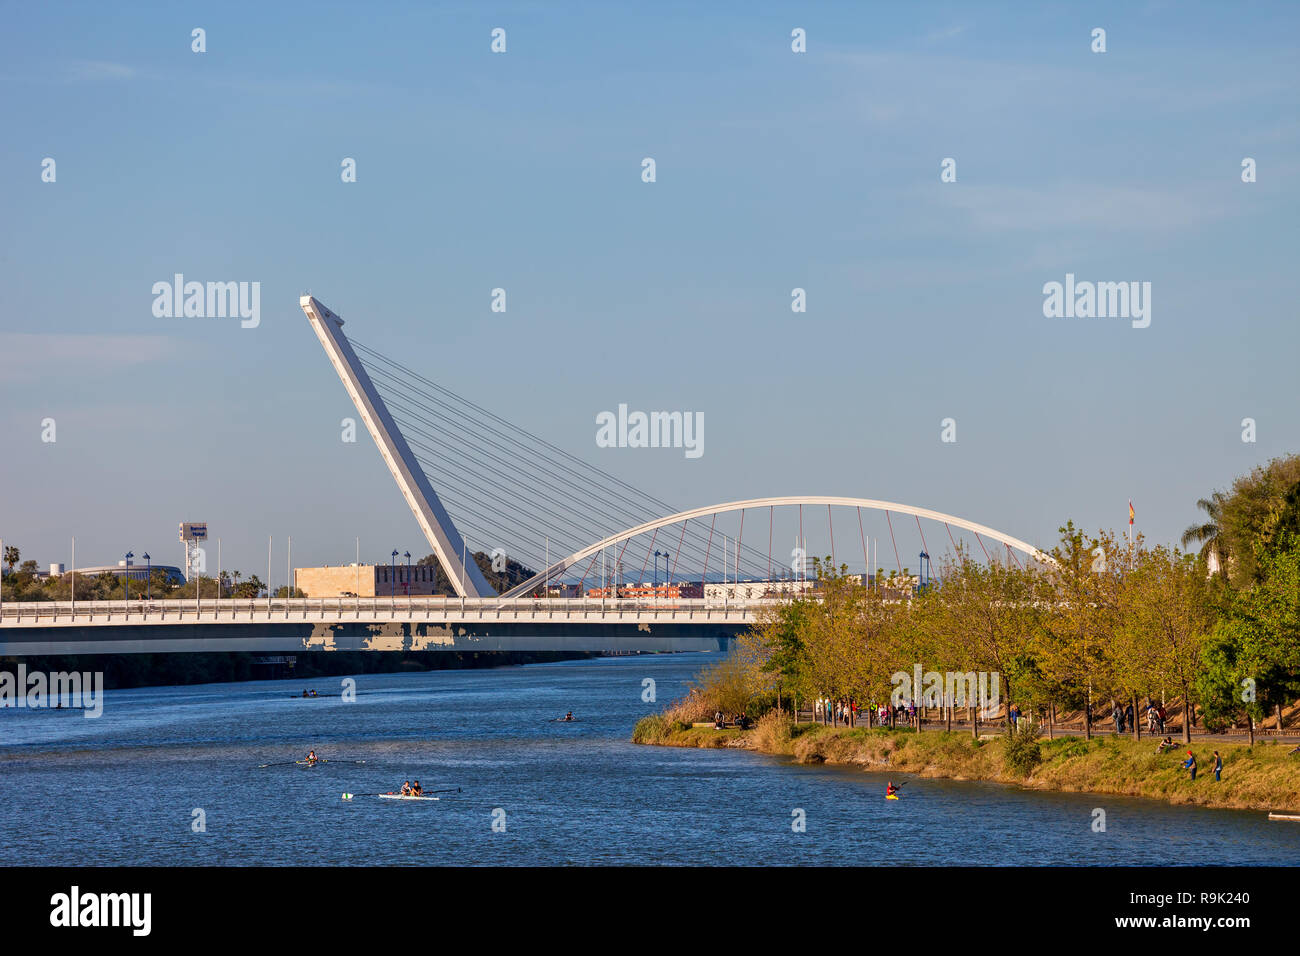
x: 366, y: 580
x: 644, y: 591
x: 136, y: 572
x: 755, y: 590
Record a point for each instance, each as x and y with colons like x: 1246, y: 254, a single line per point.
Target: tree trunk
x: 1250, y: 723
x: 1051, y: 720
x: 1137, y: 730
x: 948, y: 711
x: 975, y: 723
x: 1279, y: 718
x: 1187, y: 718
x: 1087, y: 716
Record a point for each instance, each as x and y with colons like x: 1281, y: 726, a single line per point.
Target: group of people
x: 412, y: 789
x: 835, y: 711
x: 1123, y: 717
x: 1190, y: 765
x: 721, y: 720
x: 309, y: 694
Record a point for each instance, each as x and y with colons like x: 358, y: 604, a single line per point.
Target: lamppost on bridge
x: 664, y: 554
x: 148, y: 585
x: 407, y: 555
x: 924, y: 572
x: 392, y: 576
x: 126, y: 576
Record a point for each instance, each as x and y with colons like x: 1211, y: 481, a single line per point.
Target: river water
x: 125, y: 788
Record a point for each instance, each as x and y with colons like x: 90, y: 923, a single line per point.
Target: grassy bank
x: 1262, y: 777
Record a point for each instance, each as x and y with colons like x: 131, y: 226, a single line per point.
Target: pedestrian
x: 1151, y: 717
x: 1218, y: 766
x: 1117, y: 716
x: 1128, y: 716
x: 1190, y: 764
x: 1160, y: 718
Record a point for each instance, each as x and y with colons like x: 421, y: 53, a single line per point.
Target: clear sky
x: 523, y: 171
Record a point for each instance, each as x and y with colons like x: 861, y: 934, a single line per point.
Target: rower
x: 569, y: 715
x: 311, y: 759
x: 304, y: 692
x: 406, y: 788
x: 415, y: 789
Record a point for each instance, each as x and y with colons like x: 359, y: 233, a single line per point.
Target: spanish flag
x: 1130, y: 512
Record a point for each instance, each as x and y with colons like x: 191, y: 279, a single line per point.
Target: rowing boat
x: 1287, y: 817
x: 398, y: 796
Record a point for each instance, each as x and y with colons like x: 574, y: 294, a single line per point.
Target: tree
x: 1210, y: 534
x: 1253, y: 510
x: 1077, y: 629
x: 12, y: 554
x: 1165, y: 616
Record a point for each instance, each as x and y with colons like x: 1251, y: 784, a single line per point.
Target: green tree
x: 1210, y: 534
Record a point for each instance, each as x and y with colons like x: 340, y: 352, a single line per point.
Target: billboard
x: 194, y: 531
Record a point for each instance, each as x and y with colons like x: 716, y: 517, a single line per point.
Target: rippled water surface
x: 123, y: 789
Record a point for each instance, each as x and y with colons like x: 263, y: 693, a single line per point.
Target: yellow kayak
x: 891, y: 796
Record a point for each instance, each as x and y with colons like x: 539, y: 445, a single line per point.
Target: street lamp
x: 148, y: 585
x: 664, y: 554
x: 392, y: 578
x: 126, y: 576
x: 408, y: 573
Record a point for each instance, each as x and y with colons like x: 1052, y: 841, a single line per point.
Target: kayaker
x: 890, y: 789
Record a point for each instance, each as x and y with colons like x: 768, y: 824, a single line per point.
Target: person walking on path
x: 1128, y: 717
x: 1190, y: 764
x: 1218, y: 766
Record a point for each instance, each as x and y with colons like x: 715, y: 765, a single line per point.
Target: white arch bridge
x: 625, y: 614
x: 516, y: 620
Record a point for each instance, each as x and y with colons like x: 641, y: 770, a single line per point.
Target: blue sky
x: 775, y: 170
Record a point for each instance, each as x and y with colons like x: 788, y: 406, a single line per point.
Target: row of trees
x: 1107, y: 622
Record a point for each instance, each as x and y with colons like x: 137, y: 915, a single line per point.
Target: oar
x: 283, y: 763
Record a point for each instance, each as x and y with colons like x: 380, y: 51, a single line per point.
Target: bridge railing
x: 243, y: 609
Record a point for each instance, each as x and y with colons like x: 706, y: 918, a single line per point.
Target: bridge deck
x: 383, y: 624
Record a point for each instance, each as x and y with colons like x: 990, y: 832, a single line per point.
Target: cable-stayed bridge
x: 589, y: 536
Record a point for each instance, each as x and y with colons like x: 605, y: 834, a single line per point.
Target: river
x: 125, y: 788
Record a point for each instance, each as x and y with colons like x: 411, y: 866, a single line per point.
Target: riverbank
x: 1262, y: 777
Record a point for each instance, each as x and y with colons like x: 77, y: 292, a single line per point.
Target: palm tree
x: 1210, y: 534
